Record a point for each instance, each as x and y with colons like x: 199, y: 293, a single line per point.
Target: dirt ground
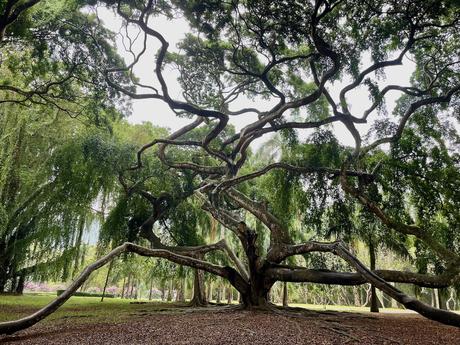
x: 204, y: 327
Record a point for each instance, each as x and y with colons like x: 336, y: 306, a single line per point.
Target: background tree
x: 52, y: 54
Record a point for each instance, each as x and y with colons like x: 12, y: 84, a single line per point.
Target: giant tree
x: 290, y: 57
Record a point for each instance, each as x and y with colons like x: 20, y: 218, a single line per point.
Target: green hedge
x: 87, y: 294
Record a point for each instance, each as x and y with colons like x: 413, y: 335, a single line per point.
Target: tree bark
x: 180, y: 296
x: 21, y: 283
x: 170, y: 288
x: 107, y: 280
x: 254, y: 293
x: 163, y: 290
x: 210, y: 291
x: 232, y: 275
x: 442, y: 296
x: 128, y: 286
x: 374, y: 301
x: 131, y: 290
x: 285, y: 294
x: 229, y: 295
x: 81, y: 227
x: 429, y: 312
x: 356, y: 296
x: 219, y: 291
x: 13, y: 281
x: 199, y: 293
x: 435, y: 298
x: 136, y: 290
x: 123, y: 288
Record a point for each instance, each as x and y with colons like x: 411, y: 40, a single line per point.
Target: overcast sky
x: 159, y: 114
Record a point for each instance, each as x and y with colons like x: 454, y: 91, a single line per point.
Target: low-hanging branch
x: 241, y: 285
x: 305, y: 275
x: 275, y: 77
x: 10, y: 327
x: 338, y: 248
x: 443, y: 316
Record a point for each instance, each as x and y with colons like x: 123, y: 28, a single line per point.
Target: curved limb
x: 337, y: 248
x: 443, y: 316
x: 452, y: 258
x: 235, y: 279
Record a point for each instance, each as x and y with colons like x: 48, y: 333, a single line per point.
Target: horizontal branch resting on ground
x: 443, y: 316
x: 300, y: 274
x: 337, y: 248
x: 10, y: 327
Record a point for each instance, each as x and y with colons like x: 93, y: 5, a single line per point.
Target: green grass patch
x: 77, y: 309
x: 112, y: 310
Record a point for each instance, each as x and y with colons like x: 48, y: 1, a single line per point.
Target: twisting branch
x: 12, y: 10
x: 279, y: 234
x: 169, y: 140
x: 332, y: 173
x: 417, y: 231
x: 337, y: 248
x: 145, y: 230
x: 409, y: 112
x: 378, y: 65
x: 443, y: 316
x: 224, y: 217
x: 283, y: 251
x: 235, y: 279
x: 165, y: 96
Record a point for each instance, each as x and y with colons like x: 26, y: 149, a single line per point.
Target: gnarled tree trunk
x: 199, y: 293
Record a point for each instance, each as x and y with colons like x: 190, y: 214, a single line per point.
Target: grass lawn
x: 83, y: 309
x: 90, y: 309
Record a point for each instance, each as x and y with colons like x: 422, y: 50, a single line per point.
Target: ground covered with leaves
x: 115, y: 322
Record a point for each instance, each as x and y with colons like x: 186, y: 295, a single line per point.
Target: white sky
x: 159, y: 114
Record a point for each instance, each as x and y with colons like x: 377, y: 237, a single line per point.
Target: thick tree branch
x: 237, y: 281
x: 429, y: 240
x: 337, y: 248
x: 443, y: 316
x: 332, y: 173
x: 301, y: 274
x: 279, y: 233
